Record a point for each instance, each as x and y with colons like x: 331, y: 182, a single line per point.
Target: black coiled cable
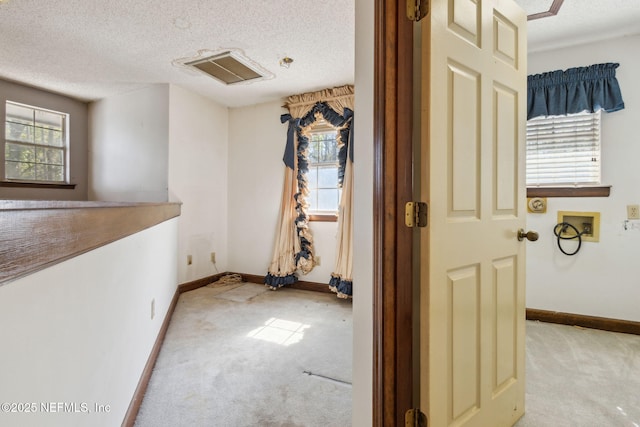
x: 561, y: 228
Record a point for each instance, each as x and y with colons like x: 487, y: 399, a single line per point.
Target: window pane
x: 325, y: 147
x: 18, y: 132
x: 312, y: 200
x: 332, y: 149
x: 47, y: 137
x: 312, y: 177
x: 11, y: 170
x: 53, y: 156
x: 49, y: 120
x: 39, y: 155
x: 312, y: 152
x: 49, y: 172
x: 23, y: 171
x: 328, y: 177
x: 19, y: 152
x: 327, y: 199
x: 56, y: 173
x: 18, y: 113
x: 41, y: 172
x: 52, y: 138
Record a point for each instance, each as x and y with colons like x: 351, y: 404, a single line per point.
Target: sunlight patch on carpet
x: 280, y: 331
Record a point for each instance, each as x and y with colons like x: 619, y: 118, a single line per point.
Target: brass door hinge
x: 415, y: 214
x: 415, y: 418
x: 417, y: 9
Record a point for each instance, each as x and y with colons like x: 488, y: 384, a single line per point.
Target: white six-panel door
x: 472, y: 265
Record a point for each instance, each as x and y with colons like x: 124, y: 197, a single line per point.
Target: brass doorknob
x: 531, y: 236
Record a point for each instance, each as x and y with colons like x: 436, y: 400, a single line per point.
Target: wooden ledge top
x: 38, y: 234
x: 10, y: 205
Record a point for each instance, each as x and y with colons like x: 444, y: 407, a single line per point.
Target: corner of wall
x: 198, y: 178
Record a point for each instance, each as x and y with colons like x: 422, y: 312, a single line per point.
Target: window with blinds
x: 564, y: 150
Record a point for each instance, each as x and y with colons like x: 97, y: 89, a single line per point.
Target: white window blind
x: 564, y: 150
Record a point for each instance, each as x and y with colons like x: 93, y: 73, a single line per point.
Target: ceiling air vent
x: 226, y: 67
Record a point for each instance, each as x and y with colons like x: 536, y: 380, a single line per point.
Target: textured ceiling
x: 90, y: 49
x: 94, y: 48
x: 580, y: 21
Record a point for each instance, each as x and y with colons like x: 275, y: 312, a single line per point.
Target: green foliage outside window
x: 35, y: 144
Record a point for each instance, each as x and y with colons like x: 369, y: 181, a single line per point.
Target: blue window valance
x: 574, y: 90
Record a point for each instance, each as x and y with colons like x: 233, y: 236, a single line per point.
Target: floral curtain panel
x: 293, y: 249
x: 574, y: 90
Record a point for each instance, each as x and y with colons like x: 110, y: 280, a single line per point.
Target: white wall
x: 603, y: 279
x: 128, y: 149
x: 256, y: 175
x: 197, y: 177
x: 81, y: 331
x: 165, y: 143
x: 363, y: 218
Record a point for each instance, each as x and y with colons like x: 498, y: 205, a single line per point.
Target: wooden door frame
x: 393, y: 374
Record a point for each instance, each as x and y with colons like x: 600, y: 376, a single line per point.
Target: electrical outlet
x: 317, y: 260
x: 213, y: 257
x: 633, y: 211
x: 189, y: 260
x: 153, y: 308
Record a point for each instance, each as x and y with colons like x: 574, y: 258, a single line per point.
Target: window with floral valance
x: 293, y: 248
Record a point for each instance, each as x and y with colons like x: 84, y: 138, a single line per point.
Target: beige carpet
x: 578, y: 377
x: 241, y: 355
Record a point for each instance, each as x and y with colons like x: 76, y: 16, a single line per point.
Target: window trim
x: 321, y: 126
x: 585, y: 191
x: 320, y: 217
x: 30, y: 184
x: 27, y: 183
